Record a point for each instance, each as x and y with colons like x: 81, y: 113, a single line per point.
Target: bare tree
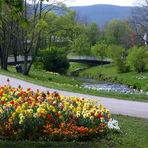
x: 139, y: 19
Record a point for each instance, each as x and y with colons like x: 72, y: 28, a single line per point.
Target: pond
x: 107, y: 86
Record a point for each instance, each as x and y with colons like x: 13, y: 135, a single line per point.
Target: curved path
x: 123, y: 107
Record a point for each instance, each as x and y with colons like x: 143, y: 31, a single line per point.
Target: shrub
x: 118, y: 54
x: 137, y: 59
x: 38, y: 65
x: 121, y: 65
x: 99, y: 50
x: 54, y: 60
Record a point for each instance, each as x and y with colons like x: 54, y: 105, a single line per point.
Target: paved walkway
x: 123, y: 107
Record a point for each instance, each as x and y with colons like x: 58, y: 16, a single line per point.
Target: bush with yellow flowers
x: 29, y: 115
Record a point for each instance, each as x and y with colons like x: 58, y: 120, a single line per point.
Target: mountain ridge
x: 102, y: 13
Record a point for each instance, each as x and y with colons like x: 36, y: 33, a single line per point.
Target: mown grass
x: 61, y: 82
x: 76, y: 66
x: 134, y: 134
x: 109, y: 73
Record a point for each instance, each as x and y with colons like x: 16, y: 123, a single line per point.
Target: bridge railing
x: 89, y: 58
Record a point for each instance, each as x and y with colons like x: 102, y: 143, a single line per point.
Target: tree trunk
x: 4, y: 59
x: 25, y: 68
x: 15, y: 58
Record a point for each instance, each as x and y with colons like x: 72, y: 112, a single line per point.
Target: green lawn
x: 134, y: 134
x: 61, y: 82
x: 75, y: 66
x: 109, y: 73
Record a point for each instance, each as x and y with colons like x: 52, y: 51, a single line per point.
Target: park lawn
x: 109, y: 73
x: 76, y: 66
x: 43, y: 77
x: 134, y: 134
x: 61, y: 82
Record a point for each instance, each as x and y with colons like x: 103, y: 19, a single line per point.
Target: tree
x: 29, y: 37
x: 119, y: 33
x: 22, y: 24
x: 8, y: 13
x: 118, y: 55
x: 81, y: 45
x: 93, y: 33
x: 99, y: 50
x: 139, y: 20
x: 62, y: 29
x: 137, y: 59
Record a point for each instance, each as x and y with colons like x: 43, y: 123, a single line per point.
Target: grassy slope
x: 75, y: 66
x: 134, y: 135
x: 109, y: 72
x: 51, y: 80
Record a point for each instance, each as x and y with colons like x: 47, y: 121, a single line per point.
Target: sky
x: 93, y: 2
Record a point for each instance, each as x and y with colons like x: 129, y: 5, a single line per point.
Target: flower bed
x: 29, y: 115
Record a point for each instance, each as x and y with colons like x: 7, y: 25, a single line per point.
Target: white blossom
x: 113, y: 124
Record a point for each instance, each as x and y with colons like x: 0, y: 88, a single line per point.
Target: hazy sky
x: 92, y: 2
